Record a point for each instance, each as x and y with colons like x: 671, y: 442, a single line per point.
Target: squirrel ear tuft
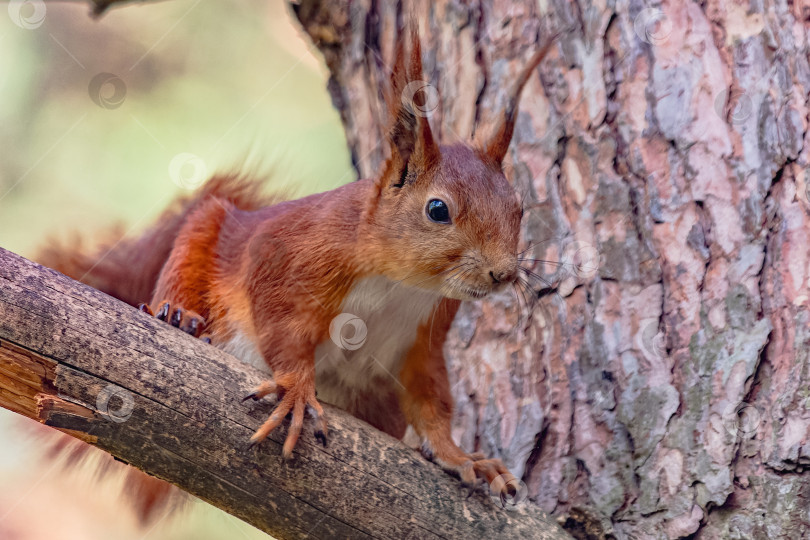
x: 410, y: 100
x: 498, y: 143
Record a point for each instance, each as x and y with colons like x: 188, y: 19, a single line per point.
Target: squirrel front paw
x: 295, y: 395
x: 474, y: 467
x: 188, y: 321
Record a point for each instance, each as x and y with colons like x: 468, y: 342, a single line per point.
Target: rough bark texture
x: 662, y: 150
x: 154, y: 397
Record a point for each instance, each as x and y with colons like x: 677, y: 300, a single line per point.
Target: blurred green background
x: 234, y: 83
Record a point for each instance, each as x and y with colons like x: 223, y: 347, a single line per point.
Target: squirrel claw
x: 467, y: 489
x: 266, y: 388
x: 163, y: 313
x: 192, y: 327
x: 187, y: 321
x: 177, y: 316
x: 320, y: 436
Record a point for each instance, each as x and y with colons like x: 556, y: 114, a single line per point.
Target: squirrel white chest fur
x: 390, y: 314
x: 368, y: 340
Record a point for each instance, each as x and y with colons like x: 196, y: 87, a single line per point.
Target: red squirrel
x: 268, y: 281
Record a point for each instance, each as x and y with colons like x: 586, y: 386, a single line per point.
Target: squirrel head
x: 445, y: 218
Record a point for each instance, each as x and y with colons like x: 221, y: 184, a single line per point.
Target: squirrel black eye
x: 437, y: 211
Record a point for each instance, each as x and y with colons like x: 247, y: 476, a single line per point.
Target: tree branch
x: 156, y: 398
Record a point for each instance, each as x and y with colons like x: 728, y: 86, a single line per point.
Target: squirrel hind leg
x: 186, y: 320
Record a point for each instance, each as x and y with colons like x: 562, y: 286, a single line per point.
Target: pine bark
x: 662, y: 388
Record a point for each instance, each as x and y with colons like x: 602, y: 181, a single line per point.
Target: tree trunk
x: 662, y: 154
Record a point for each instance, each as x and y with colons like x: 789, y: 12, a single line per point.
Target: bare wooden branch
x: 78, y: 360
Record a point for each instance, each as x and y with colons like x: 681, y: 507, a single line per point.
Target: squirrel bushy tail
x: 128, y: 269
x: 149, y: 497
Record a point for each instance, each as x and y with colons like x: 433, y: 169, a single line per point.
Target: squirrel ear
x: 498, y: 143
x: 411, y: 99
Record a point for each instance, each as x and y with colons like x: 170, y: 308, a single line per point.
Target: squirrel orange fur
x: 269, y: 280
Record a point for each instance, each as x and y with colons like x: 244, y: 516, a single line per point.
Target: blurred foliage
x: 234, y: 83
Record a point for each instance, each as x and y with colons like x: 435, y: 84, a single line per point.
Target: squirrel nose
x: 503, y: 276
